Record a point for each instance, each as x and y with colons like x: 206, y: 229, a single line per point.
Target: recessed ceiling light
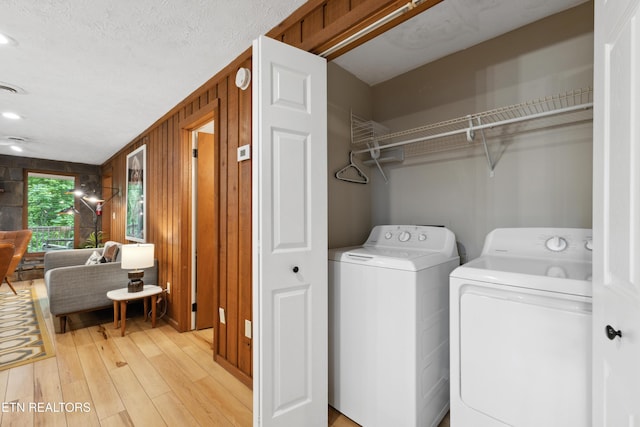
x: 5, y: 40
x: 11, y: 115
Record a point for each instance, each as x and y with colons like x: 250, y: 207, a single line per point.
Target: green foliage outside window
x: 46, y: 197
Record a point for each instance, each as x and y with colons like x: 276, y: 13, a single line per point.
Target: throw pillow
x: 94, y: 259
x: 110, y: 251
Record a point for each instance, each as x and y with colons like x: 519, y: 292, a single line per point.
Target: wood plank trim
x: 245, y: 361
x: 244, y: 378
x: 296, y: 16
x: 220, y: 343
x: 233, y: 219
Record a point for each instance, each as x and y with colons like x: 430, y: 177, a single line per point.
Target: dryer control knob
x: 404, y: 236
x: 388, y: 235
x: 556, y: 244
x: 422, y: 237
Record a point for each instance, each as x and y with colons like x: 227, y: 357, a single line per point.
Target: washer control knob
x: 422, y: 237
x: 404, y: 236
x: 557, y: 272
x: 388, y: 235
x: 556, y: 244
x: 589, y: 245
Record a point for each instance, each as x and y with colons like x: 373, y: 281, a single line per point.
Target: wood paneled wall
x: 169, y: 183
x: 234, y: 296
x: 315, y: 26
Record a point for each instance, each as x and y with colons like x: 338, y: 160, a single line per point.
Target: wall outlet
x: 168, y: 287
x: 247, y: 328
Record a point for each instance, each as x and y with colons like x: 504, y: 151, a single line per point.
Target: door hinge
x: 195, y: 152
x: 194, y: 307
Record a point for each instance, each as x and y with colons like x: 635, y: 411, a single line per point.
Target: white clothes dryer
x: 389, y: 326
x: 521, y: 331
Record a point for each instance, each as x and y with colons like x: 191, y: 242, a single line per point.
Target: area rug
x: 23, y: 333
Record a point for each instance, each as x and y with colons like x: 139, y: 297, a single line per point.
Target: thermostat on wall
x: 244, y: 152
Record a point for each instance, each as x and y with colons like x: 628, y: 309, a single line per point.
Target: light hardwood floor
x: 149, y: 377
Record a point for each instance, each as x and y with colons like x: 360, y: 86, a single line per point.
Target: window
x: 47, y: 204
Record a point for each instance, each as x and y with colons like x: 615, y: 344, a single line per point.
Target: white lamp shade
x: 136, y: 256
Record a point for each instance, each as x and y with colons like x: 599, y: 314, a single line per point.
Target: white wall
x: 541, y: 179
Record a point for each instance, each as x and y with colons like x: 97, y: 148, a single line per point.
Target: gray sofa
x: 74, y: 287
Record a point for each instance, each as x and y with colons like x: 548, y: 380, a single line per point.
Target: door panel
x: 206, y: 229
x: 290, y: 236
x: 290, y: 192
x: 616, y: 227
x: 292, y: 379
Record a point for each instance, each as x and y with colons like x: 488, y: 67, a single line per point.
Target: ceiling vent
x: 12, y: 140
x: 8, y: 89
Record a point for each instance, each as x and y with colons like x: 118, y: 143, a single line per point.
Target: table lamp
x: 135, y: 257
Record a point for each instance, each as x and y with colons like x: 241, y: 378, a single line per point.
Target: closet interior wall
x: 542, y: 178
x: 349, y: 204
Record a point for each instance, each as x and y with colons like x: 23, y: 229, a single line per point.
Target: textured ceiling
x: 98, y: 73
x: 448, y: 27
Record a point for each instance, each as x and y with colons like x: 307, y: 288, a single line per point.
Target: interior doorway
x: 199, y: 131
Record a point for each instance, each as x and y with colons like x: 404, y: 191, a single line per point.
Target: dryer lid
x: 402, y: 247
x: 553, y: 275
x: 393, y: 258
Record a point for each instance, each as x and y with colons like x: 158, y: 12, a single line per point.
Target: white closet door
x: 616, y: 225
x: 289, y: 236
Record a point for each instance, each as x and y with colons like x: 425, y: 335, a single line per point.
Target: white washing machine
x: 521, y: 331
x: 389, y: 326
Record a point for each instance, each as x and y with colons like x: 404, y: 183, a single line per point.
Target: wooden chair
x: 20, y: 240
x: 6, y: 255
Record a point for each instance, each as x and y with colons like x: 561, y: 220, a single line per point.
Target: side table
x: 122, y: 296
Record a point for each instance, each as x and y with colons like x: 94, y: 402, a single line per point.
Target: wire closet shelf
x: 574, y: 106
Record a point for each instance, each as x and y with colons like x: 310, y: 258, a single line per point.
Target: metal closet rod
x: 374, y: 26
x: 469, y: 129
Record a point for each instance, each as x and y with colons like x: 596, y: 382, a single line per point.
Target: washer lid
x: 561, y: 276
x: 393, y: 258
